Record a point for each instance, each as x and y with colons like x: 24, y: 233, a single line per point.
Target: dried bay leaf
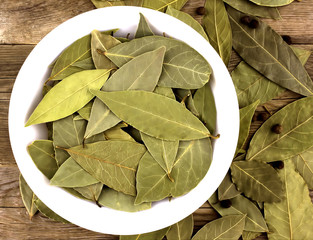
x: 248, y: 7
x: 112, y: 162
x: 272, y: 3
x: 185, y: 97
x: 28, y: 197
x: 304, y: 165
x: 257, y: 180
x: 101, y: 42
x: 105, y: 3
x: 217, y: 26
x: 91, y: 192
x: 156, y: 235
x: 250, y: 235
x: 116, y: 133
x: 229, y: 227
x: 143, y: 29
x: 85, y: 111
x: 295, y: 138
x: 172, y: 122
x: 254, y: 221
x: 181, y: 230
x: 227, y: 189
x: 48, y: 212
x: 68, y: 96
x: 246, y: 115
x: 266, y: 51
x: 205, y: 105
x: 120, y: 201
x: 167, y: 92
x: 188, y: 71
x: 292, y: 217
x: 302, y: 54
x: 70, y: 174
x: 192, y: 163
x: 146, y: 70
x: 164, y: 152
x: 42, y: 154
x: 86, y: 64
x: 160, y: 5
x: 189, y: 20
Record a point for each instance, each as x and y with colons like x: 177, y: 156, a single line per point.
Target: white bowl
x: 26, y: 95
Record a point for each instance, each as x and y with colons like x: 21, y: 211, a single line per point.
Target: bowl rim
x: 86, y: 214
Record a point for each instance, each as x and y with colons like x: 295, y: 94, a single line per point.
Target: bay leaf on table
x: 106, y: 3
x: 205, y: 105
x: 181, y: 230
x: 188, y: 19
x: 145, y: 73
x: 250, y: 85
x: 70, y: 174
x: 67, y: 133
x: 28, y: 197
x: 216, y: 25
x: 156, y: 235
x: 85, y: 111
x: 228, y: 227
x: 254, y: 221
x: 167, y: 92
x: 101, y: 42
x: 292, y: 217
x: 164, y: 152
x: 48, y: 212
x: 138, y: 109
x: 257, y: 180
x: 248, y: 7
x: 112, y: 162
x: 266, y: 51
x: 250, y: 235
x: 304, y: 165
x: 296, y: 136
x: 272, y: 3
x: 246, y: 115
x: 42, y: 154
x: 143, y: 28
x: 120, y: 201
x: 183, y: 67
x: 227, y: 189
x: 86, y: 64
x: 91, y: 192
x: 68, y: 96
x: 192, y: 163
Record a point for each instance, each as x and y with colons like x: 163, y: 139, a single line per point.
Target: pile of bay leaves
x: 266, y: 189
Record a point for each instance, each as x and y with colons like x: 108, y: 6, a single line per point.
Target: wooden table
x: 22, y: 25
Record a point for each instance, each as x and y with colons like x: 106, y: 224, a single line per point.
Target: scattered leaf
x: 272, y: 3
x: 304, y: 165
x: 28, y: 197
x: 227, y: 189
x: 156, y: 235
x: 181, y: 230
x: 48, y: 212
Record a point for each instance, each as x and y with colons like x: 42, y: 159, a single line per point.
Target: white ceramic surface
x: 27, y: 93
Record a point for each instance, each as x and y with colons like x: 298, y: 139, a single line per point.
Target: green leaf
x: 257, y: 180
x: 250, y: 235
x: 183, y: 67
x: 115, y: 165
x: 185, y: 97
x: 70, y: 174
x: 28, y: 197
x: 77, y: 51
x: 192, y: 163
x: 143, y: 29
x: 161, y: 5
x: 48, y: 212
x: 240, y: 205
x: 85, y: 111
x: 167, y: 92
x: 164, y: 152
x: 181, y: 230
x: 205, y: 105
x: 68, y: 96
x: 229, y: 227
x: 248, y: 7
x: 86, y: 64
x: 67, y: 133
x: 42, y: 154
x: 296, y: 136
x: 304, y: 165
x: 189, y: 20
x: 100, y: 43
x: 170, y: 122
x: 246, y: 115
x: 266, y: 51
x: 156, y: 235
x: 292, y: 217
x: 120, y: 201
x: 142, y: 73
x: 227, y: 189
x: 116, y: 133
x: 91, y: 192
x: 272, y: 3
x: 217, y: 27
x: 302, y: 54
